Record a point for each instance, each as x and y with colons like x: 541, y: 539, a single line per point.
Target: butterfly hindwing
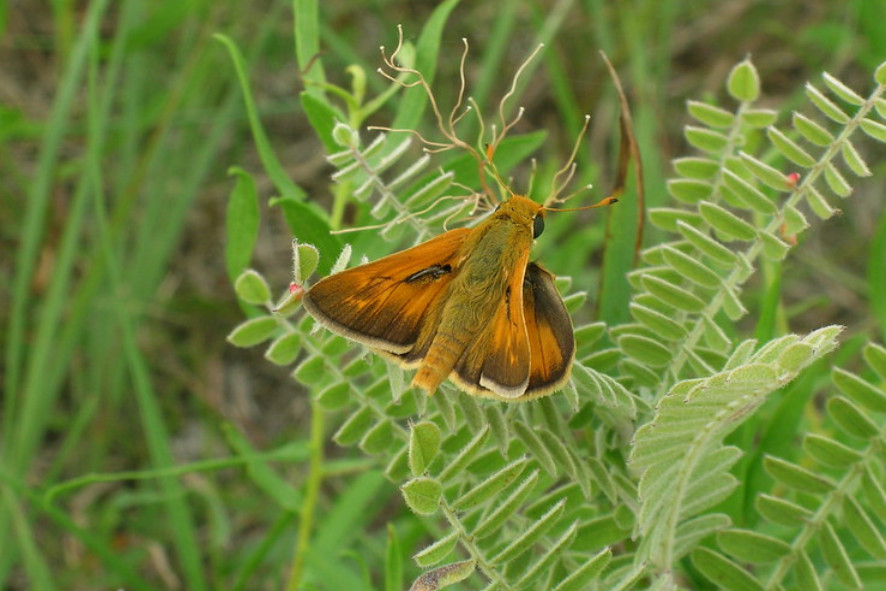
x: 522, y: 355
x: 384, y: 303
x: 551, y: 339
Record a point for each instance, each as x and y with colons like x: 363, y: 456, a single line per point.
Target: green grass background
x: 129, y: 426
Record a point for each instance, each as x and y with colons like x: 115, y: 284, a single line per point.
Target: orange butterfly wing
x: 497, y: 363
x: 528, y: 347
x: 551, y: 339
x: 384, y: 303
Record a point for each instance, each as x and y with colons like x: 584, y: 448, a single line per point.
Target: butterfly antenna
x: 461, y: 89
x: 560, y: 181
x: 627, y: 151
x: 419, y: 80
x: 429, y: 146
x: 505, y: 125
x: 498, y: 135
x: 493, y: 170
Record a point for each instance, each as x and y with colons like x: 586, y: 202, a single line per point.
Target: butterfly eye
x: 538, y: 226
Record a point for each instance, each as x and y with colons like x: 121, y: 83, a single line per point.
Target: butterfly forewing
x: 384, y: 303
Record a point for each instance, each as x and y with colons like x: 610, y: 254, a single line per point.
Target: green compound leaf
x: 645, y: 349
x: 305, y: 258
x: 753, y: 547
x: 728, y: 225
x: 528, y: 538
x: 444, y: 576
x: 491, y: 486
x: 836, y: 556
x: 863, y: 529
x: 842, y: 91
x: 285, y: 349
x: 662, y: 325
x: 252, y: 288
x: 355, y: 427
x: 715, y: 251
x: 698, y: 168
x: 706, y: 140
x: 770, y: 176
x: 438, y: 551
x: 673, y: 295
x: 782, y: 511
x: 859, y: 390
x: 789, y: 148
x: 851, y: 419
x: 424, y: 443
x: 422, y: 495
x: 378, y: 439
x: 689, y: 190
x: 582, y: 577
x: 807, y: 577
x: 874, y: 129
x: 796, y: 477
x: 504, y: 510
x: 826, y: 105
x: 828, y: 452
x: 759, y: 118
x: 335, y: 396
x: 749, y: 195
x: 710, y: 115
x: 811, y: 130
x: 723, y: 572
x: 743, y: 83
x: 253, y: 331
x: 875, y: 357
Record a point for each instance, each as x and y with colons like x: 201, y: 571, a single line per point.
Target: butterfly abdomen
x: 441, y: 358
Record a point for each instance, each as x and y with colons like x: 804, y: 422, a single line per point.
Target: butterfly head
x: 524, y: 211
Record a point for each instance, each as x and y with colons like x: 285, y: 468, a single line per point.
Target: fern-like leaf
x: 680, y: 453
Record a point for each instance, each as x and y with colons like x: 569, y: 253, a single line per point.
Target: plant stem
x: 309, y: 504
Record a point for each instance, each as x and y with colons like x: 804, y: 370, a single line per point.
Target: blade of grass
x: 427, y: 50
x: 35, y: 216
x: 353, y: 510
x: 128, y: 578
x: 269, y: 159
x: 36, y: 569
x: 308, y: 507
x: 60, y: 346
x: 394, y: 559
x: 571, y: 116
x: 26, y: 405
x: 340, y: 45
x: 181, y: 522
x: 182, y: 527
x: 257, y: 556
x: 619, y: 257
x: 547, y: 30
x: 494, y: 50
x: 306, y: 30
